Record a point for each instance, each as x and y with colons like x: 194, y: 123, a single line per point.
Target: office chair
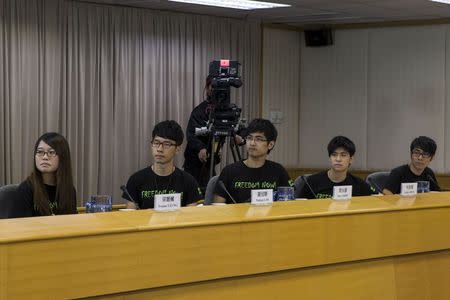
x: 210, y: 187
x: 6, y: 200
x: 298, y: 184
x: 377, y: 180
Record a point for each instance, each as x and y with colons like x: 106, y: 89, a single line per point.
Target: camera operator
x: 197, y: 153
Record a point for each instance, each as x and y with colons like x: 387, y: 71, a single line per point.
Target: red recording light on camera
x: 224, y: 63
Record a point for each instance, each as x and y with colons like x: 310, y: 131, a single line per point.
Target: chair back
x: 6, y: 200
x: 299, y: 183
x: 209, y: 193
x: 378, y: 180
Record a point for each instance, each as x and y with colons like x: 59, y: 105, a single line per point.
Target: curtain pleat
x: 103, y: 76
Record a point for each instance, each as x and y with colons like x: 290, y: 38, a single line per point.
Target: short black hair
x: 424, y: 143
x: 341, y: 142
x: 169, y: 130
x: 264, y: 126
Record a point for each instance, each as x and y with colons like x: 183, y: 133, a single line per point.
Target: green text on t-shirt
x: 255, y: 185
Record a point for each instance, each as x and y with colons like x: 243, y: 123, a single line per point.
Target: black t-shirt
x: 145, y: 184
x: 199, y: 118
x: 240, y: 180
x: 323, y: 186
x: 24, y: 202
x: 403, y: 174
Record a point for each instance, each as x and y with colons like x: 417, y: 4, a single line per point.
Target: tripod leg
x: 211, y: 161
x: 234, y: 149
x: 238, y: 153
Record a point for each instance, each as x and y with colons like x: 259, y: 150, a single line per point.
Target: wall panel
x: 406, y: 93
x: 381, y: 87
x: 281, y: 65
x: 333, y: 98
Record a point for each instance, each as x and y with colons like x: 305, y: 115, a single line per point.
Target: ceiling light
x: 237, y: 4
x: 442, y: 1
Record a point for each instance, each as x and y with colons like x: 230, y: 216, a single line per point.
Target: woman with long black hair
x: 49, y: 189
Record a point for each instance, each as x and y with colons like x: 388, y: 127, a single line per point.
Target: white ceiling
x: 308, y: 12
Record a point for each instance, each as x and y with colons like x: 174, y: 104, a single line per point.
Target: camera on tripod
x: 225, y: 118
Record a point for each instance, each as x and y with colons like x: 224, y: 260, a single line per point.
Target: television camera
x: 225, y: 119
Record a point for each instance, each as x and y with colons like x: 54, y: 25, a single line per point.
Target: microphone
x: 434, y: 182
x: 309, y: 187
x: 125, y: 191
x: 222, y: 185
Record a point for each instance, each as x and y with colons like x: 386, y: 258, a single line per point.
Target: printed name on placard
x: 342, y: 192
x: 408, y: 189
x: 167, y: 202
x: 262, y: 197
x: 262, y: 194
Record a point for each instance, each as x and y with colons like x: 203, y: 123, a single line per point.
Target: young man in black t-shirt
x: 255, y: 172
x: 422, y: 150
x: 162, y: 177
x: 340, y: 151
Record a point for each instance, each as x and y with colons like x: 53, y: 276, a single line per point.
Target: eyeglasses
x: 257, y: 139
x: 418, y: 153
x: 165, y: 145
x: 50, y: 153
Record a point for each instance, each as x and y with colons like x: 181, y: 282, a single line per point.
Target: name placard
x: 408, y: 189
x: 262, y: 197
x: 167, y: 202
x: 342, y: 192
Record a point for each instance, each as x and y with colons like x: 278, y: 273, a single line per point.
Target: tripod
x: 217, y: 142
x: 223, y: 122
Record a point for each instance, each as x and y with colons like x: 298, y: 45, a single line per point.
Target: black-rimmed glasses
x: 257, y: 139
x: 418, y: 153
x: 165, y: 145
x: 50, y: 153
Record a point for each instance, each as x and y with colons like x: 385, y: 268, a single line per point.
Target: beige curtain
x: 103, y: 76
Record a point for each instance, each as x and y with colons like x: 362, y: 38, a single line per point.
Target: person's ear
x: 271, y: 145
x: 178, y: 149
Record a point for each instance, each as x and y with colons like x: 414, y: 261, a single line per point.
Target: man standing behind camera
x: 196, y: 153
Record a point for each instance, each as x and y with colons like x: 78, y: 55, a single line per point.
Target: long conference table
x: 377, y: 247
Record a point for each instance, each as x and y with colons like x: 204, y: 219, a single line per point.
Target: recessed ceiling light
x: 237, y: 4
x: 442, y: 1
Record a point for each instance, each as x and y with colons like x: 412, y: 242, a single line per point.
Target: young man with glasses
x: 320, y: 185
x: 162, y: 177
x: 255, y: 172
x: 422, y: 150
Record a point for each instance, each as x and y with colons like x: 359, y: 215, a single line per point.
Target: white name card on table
x: 409, y: 189
x: 342, y: 192
x: 167, y: 202
x: 262, y: 197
